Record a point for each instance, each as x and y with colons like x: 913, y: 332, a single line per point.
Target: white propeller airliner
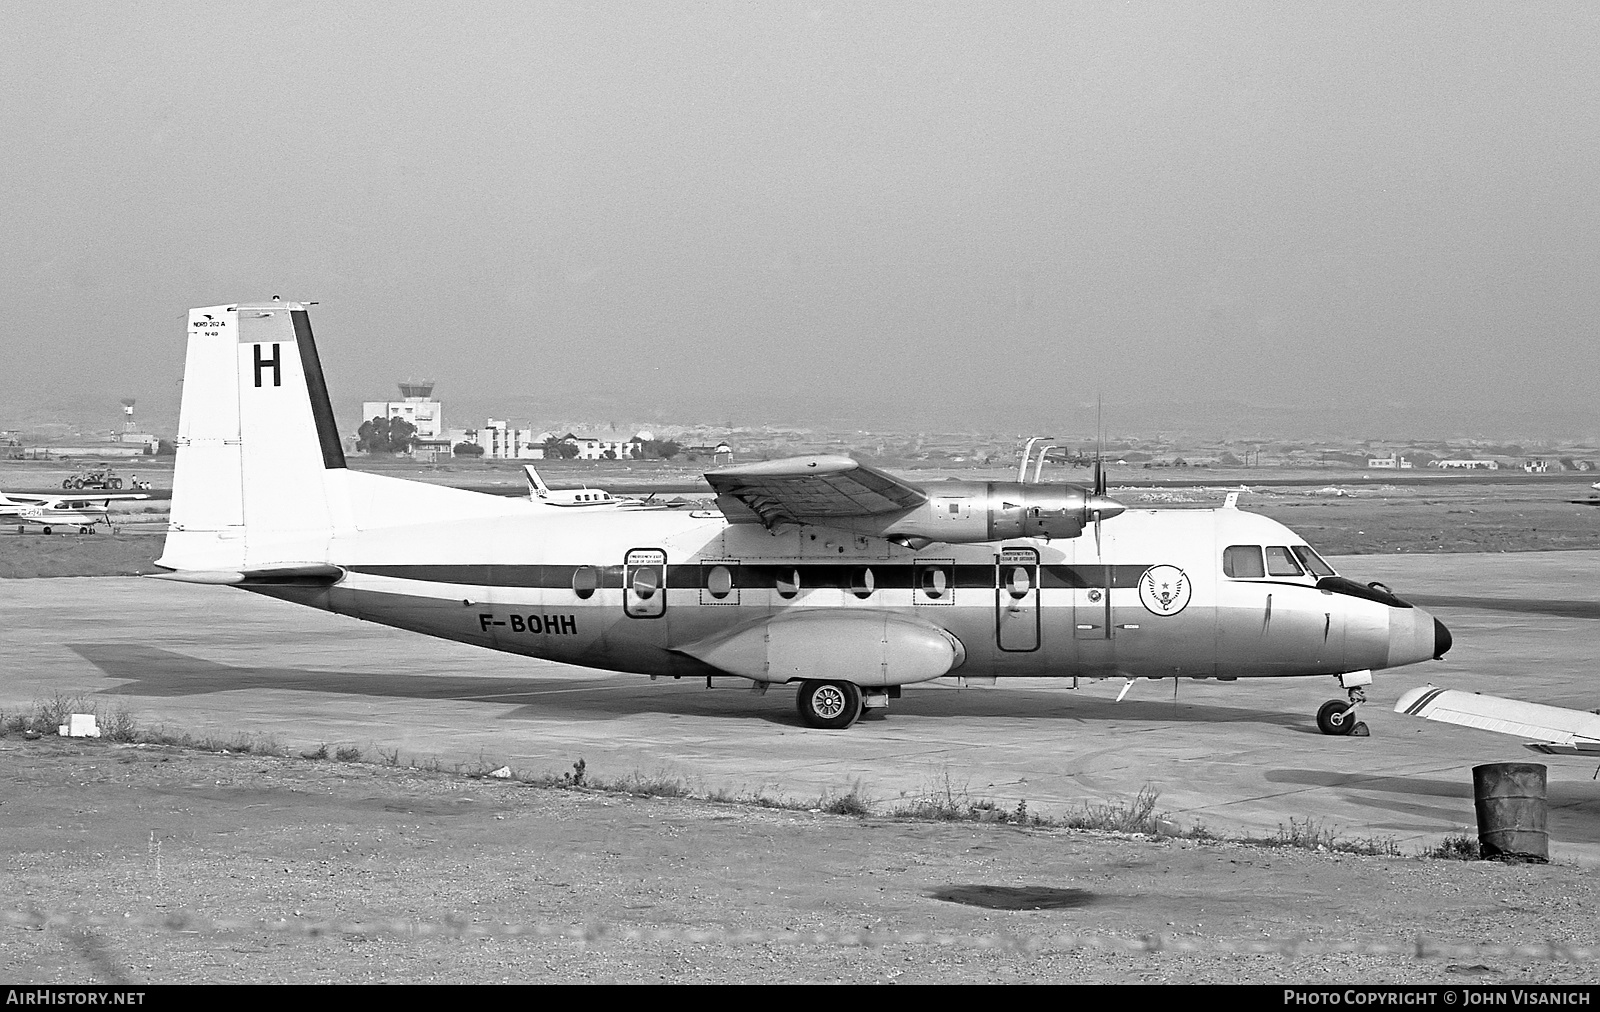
x: 819, y: 571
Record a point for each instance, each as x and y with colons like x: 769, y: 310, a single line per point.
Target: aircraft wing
x: 802, y: 490
x: 99, y: 498
x: 1559, y: 730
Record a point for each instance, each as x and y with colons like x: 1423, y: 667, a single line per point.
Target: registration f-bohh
x: 815, y: 570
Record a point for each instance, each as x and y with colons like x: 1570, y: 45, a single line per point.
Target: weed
x: 348, y: 755
x: 1455, y: 847
x: 657, y: 786
x: 118, y: 726
x: 855, y: 802
x: 320, y: 752
x: 390, y: 756
x: 1136, y: 816
x: 1309, y: 834
x: 575, y: 778
x: 943, y: 803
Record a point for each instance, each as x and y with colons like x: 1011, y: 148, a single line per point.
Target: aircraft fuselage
x: 628, y: 590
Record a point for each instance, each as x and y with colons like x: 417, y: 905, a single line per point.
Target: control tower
x: 416, y: 406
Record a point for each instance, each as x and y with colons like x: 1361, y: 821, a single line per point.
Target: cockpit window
x: 1312, y: 561
x: 1281, y: 563
x: 1243, y: 562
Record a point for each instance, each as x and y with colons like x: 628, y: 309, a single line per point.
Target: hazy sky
x: 937, y: 212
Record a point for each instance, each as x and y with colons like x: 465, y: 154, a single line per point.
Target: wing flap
x: 1558, y: 729
x: 809, y: 490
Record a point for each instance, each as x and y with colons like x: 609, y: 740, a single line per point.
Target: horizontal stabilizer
x: 1560, y: 730
x: 269, y: 575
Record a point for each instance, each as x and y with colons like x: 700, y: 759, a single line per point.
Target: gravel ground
x: 162, y: 865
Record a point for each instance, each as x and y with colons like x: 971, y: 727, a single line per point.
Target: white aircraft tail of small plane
x: 820, y: 571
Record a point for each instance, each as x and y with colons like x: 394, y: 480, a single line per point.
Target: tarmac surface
x: 1242, y: 758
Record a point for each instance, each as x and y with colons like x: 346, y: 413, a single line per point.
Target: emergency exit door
x: 644, y: 583
x: 1016, y: 599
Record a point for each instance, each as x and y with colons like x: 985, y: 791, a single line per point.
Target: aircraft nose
x: 1415, y: 636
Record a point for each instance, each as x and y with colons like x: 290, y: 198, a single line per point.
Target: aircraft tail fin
x: 258, y: 448
x: 536, y: 486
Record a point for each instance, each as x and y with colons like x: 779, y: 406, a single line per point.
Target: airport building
x: 416, y: 406
x: 1393, y: 462
x: 1468, y: 465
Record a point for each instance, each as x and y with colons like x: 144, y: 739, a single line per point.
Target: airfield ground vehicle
x: 100, y: 477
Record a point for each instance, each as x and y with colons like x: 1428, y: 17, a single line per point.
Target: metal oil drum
x: 1513, y: 817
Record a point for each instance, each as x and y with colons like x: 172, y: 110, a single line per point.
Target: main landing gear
x: 1339, y: 717
x: 837, y: 705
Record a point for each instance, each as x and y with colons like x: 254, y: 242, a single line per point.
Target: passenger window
x: 935, y: 582
x: 1312, y: 561
x: 788, y: 584
x: 1243, y: 562
x: 585, y: 580
x: 719, y: 582
x: 646, y: 581
x: 862, y: 583
x: 1017, y: 583
x: 1281, y: 563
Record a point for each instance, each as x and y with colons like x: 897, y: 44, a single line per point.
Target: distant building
x: 1468, y: 465
x: 1389, y: 463
x: 595, y: 448
x: 502, y: 441
x: 721, y: 453
x: 417, y: 406
x: 1536, y: 465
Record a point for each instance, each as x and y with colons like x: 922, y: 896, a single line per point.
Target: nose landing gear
x: 1339, y: 718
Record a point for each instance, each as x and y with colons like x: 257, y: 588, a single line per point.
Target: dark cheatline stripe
x: 1423, y: 701
x: 758, y: 576
x: 1520, y: 605
x: 317, y: 387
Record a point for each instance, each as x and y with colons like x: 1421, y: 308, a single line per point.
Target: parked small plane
x: 816, y: 570
x: 537, y: 489
x: 1560, y: 730
x: 51, y: 511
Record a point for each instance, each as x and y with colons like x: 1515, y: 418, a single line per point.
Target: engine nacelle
x: 966, y: 512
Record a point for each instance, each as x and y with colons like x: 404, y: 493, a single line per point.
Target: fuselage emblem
x: 1164, y: 590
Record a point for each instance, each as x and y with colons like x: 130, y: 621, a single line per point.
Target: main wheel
x: 1336, y: 717
x: 66, y: 483
x: 830, y: 705
x: 47, y: 530
x: 116, y: 482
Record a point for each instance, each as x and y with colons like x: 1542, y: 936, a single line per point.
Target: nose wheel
x: 1338, y: 717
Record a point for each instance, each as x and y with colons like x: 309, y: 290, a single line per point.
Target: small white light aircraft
x: 1560, y: 730
x: 51, y: 511
x: 815, y: 570
x: 537, y: 489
